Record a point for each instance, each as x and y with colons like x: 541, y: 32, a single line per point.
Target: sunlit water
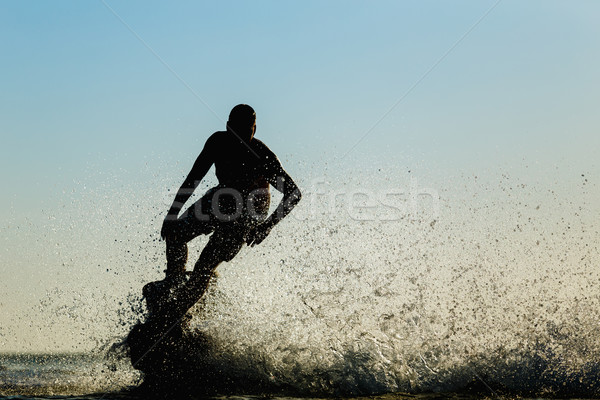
x: 466, y: 282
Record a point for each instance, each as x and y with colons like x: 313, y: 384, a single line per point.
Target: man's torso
x: 245, y: 168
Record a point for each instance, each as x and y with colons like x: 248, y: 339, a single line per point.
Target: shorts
x: 222, y: 212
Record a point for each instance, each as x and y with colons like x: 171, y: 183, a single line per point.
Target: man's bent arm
x: 197, y: 173
x: 291, y: 196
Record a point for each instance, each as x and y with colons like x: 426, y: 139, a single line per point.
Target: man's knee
x: 179, y: 237
x: 230, y: 251
x: 174, y: 243
x: 184, y: 230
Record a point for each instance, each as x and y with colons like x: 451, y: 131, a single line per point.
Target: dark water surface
x: 97, y: 377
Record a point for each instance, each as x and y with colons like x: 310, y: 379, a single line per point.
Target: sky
x: 104, y: 105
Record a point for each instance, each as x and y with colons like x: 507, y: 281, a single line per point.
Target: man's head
x: 242, y: 121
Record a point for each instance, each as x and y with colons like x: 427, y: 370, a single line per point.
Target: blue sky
x: 85, y: 104
x: 77, y: 82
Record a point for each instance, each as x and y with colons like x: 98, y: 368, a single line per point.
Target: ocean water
x: 62, y: 376
x: 97, y: 377
x: 489, y: 291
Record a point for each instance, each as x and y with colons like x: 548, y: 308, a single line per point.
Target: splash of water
x: 498, y: 286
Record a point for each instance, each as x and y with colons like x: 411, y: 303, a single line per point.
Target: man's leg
x: 177, y: 253
x: 223, y: 245
x: 195, y: 288
x: 179, y: 232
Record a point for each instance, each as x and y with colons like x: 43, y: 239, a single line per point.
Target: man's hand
x: 258, y: 234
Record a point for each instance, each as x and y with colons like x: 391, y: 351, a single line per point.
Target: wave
x: 204, y: 365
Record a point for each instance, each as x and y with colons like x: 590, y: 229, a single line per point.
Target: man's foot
x: 158, y: 293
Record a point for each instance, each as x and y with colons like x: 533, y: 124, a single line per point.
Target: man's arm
x: 279, y: 179
x: 197, y: 173
x: 291, y: 196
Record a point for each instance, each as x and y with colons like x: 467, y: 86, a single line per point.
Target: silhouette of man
x: 234, y: 212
